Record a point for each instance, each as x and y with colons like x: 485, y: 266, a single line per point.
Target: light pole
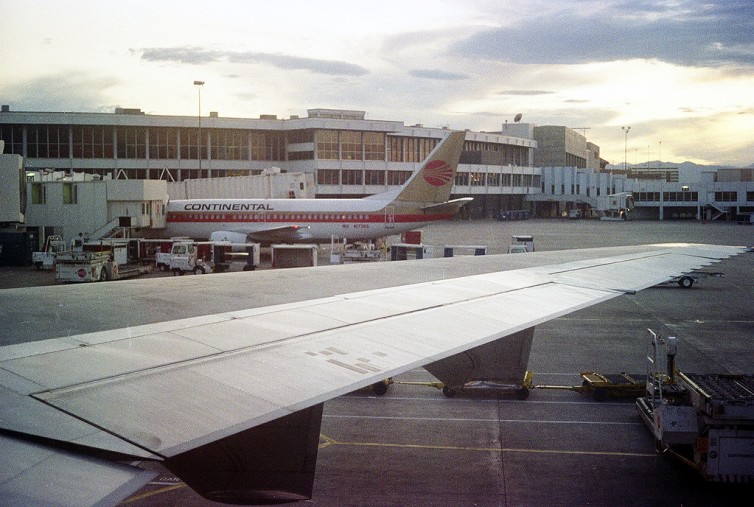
x: 625, y: 151
x: 199, y: 85
x: 625, y: 148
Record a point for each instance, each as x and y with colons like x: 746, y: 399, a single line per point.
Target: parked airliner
x: 423, y: 199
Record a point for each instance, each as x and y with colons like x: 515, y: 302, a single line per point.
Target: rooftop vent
x: 268, y: 117
x: 128, y: 110
x: 213, y: 114
x: 5, y: 108
x: 341, y: 114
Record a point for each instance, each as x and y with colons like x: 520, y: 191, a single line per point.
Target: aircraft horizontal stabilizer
x: 448, y: 206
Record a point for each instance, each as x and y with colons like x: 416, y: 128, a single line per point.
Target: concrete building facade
x: 544, y: 170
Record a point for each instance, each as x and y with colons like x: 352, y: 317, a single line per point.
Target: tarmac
x: 414, y: 446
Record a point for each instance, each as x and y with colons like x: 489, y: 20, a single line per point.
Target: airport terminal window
x: 163, y: 143
x: 328, y: 177
x: 374, y: 146
x: 268, y: 146
x: 409, y: 149
x: 508, y: 180
x: 13, y: 135
x: 131, y: 142
x: 749, y: 196
x: 462, y: 179
x: 680, y: 196
x: 374, y: 177
x: 726, y: 196
x: 70, y: 193
x: 327, y: 144
x: 92, y: 141
x: 350, y: 145
x: 229, y: 145
x: 300, y: 136
x: 477, y: 179
x: 351, y: 177
x: 493, y: 179
x: 300, y: 155
x: 398, y: 177
x: 395, y: 149
x: 188, y: 140
x: 47, y: 141
x: 38, y: 193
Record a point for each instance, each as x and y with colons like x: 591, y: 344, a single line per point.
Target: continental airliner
x: 423, y: 199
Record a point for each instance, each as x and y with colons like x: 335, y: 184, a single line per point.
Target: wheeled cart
x: 705, y: 420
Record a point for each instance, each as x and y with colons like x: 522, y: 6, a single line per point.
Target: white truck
x: 184, y: 257
x: 85, y: 267
x: 615, y: 206
x: 54, y: 246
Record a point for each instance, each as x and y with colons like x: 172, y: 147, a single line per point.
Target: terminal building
x: 138, y: 161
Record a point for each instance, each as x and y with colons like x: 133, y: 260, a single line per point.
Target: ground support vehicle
x: 54, y: 246
x: 605, y: 385
x: 687, y: 280
x: 85, y: 267
x: 705, y: 420
x: 362, y: 252
x: 521, y: 391
x: 186, y: 257
x: 183, y: 256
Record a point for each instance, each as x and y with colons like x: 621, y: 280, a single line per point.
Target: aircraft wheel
x: 686, y: 282
x: 379, y: 388
x: 522, y: 393
x: 600, y: 394
x: 198, y: 270
x: 448, y: 392
x: 103, y: 275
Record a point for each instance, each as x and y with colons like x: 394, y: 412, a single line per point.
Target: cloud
x: 525, y: 92
x: 199, y: 56
x: 286, y: 62
x: 691, y: 32
x: 440, y: 75
x: 195, y: 56
x: 77, y: 92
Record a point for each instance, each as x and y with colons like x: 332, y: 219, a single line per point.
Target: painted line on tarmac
x: 492, y: 419
x: 486, y: 400
x: 330, y: 441
x: 155, y: 492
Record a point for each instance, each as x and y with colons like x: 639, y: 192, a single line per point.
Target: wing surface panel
x: 33, y: 474
x: 219, y: 395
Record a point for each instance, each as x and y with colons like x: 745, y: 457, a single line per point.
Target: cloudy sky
x: 679, y: 72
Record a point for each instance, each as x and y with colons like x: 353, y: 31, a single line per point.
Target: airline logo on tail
x: 437, y: 173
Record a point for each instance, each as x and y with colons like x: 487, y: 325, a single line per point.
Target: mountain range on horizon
x: 683, y: 166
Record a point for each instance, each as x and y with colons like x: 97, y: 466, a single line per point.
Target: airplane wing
x: 231, y: 401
